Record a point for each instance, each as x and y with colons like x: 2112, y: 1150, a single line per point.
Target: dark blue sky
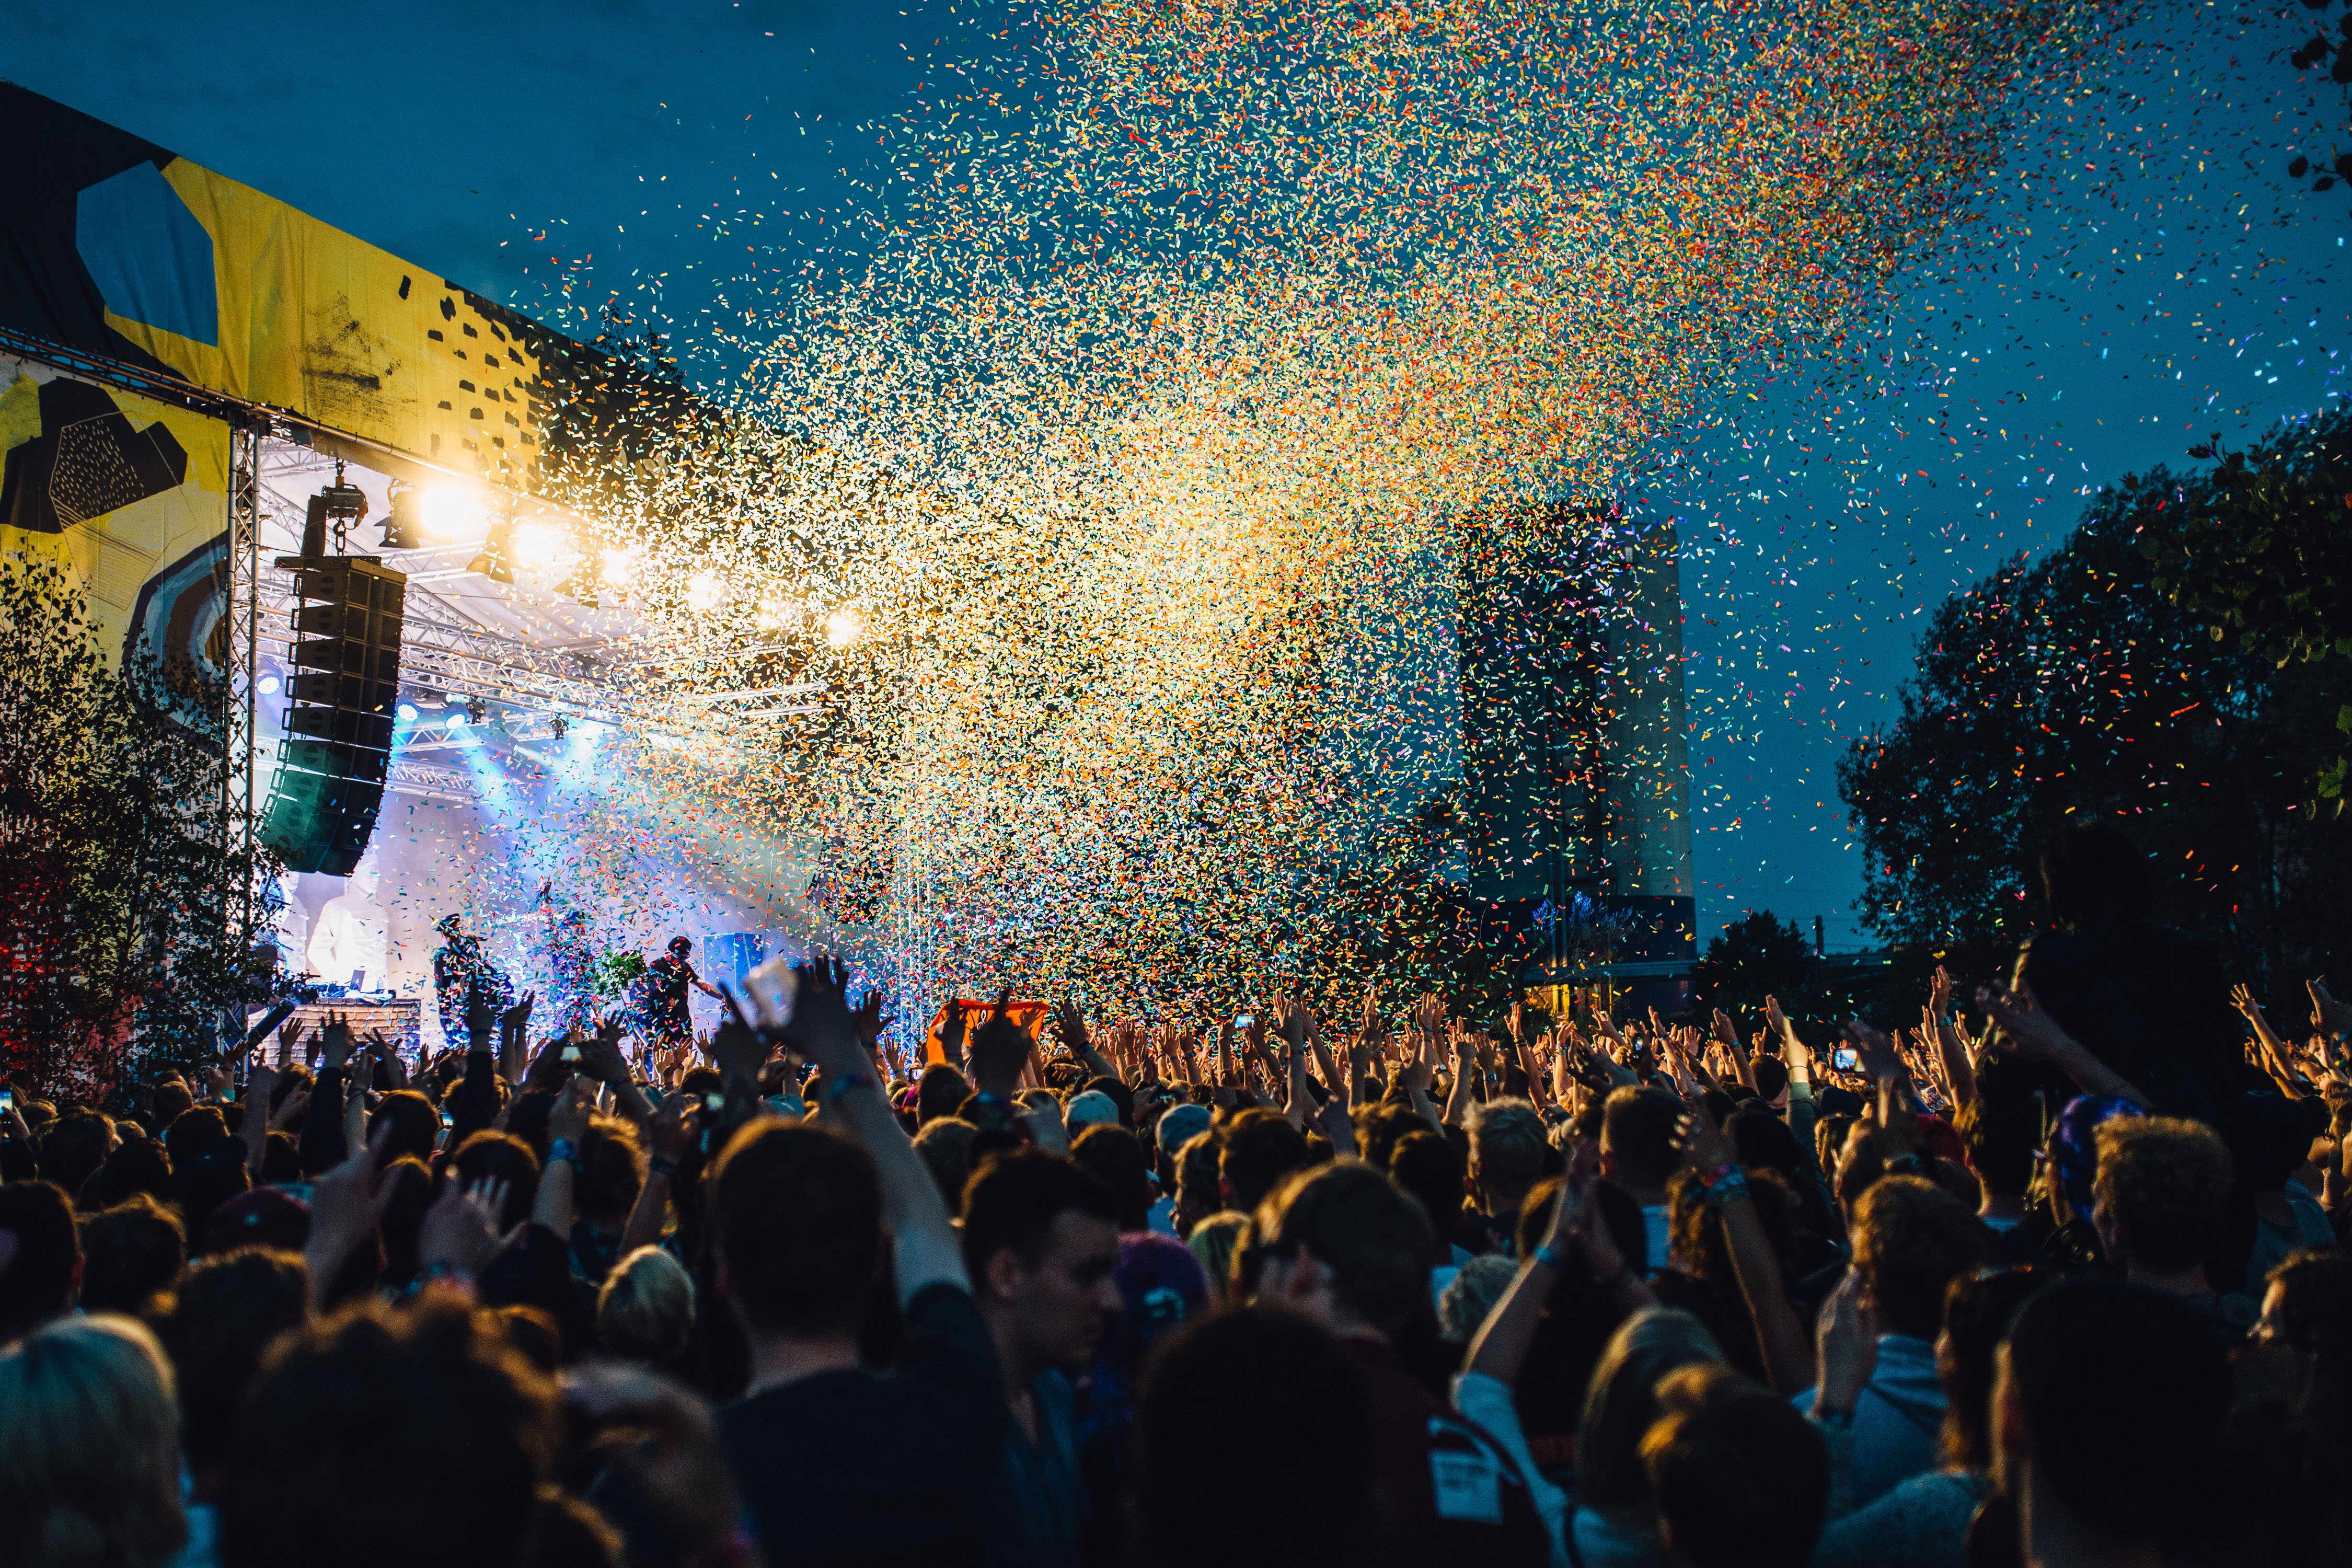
x: 2158, y: 279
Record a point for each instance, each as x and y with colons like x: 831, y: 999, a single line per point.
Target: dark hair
x: 796, y: 1218
x: 2165, y: 1180
x: 611, y: 1173
x: 1978, y: 1311
x: 194, y: 1131
x: 1999, y: 1137
x: 225, y: 1314
x: 1380, y: 1128
x: 38, y: 1282
x: 1259, y: 1148
x: 137, y: 1166
x: 1113, y: 1156
x: 1013, y: 1201
x: 415, y: 1125
x: 1741, y: 1478
x: 2124, y: 1391
x: 1371, y: 1239
x: 681, y: 945
x: 1771, y: 1076
x: 2090, y: 869
x: 130, y: 1253
x: 1759, y: 1137
x: 1428, y: 1166
x: 1640, y: 1126
x: 403, y: 1225
x: 945, y: 1144
x: 324, y: 1463
x: 490, y: 1155
x: 941, y: 1090
x: 1252, y: 1391
x: 1911, y: 1240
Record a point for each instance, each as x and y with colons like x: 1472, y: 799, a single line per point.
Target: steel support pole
x: 240, y: 656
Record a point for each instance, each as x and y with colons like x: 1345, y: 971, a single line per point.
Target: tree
x: 1756, y: 956
x: 117, y: 948
x: 2259, y: 550
x: 2073, y: 685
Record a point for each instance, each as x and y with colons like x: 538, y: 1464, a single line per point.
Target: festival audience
x: 1605, y: 1293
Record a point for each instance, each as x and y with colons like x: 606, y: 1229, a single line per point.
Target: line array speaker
x: 339, y: 718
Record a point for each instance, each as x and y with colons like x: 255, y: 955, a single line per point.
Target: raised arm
x: 1781, y: 1337
x: 2026, y: 1031
x: 928, y: 1251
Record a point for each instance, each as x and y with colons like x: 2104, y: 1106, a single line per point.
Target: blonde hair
x: 90, y: 1453
x: 1621, y: 1402
x: 1213, y: 1241
x: 646, y: 1310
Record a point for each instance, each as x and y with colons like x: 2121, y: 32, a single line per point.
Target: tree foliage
x: 1756, y: 956
x: 116, y: 949
x: 2072, y: 685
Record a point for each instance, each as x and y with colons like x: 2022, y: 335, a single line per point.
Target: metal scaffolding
x: 240, y: 658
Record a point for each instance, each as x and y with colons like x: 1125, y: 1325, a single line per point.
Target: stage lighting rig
x: 339, y: 504
x: 403, y: 526
x: 475, y: 711
x: 497, y: 557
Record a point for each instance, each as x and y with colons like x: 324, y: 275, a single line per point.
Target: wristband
x: 563, y: 1149
x: 1729, y: 1190
x: 662, y: 1165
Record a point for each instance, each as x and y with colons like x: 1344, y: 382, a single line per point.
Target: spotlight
x: 580, y: 587
x: 447, y: 513
x: 456, y: 721
x: 407, y: 712
x: 843, y: 626
x: 497, y: 560
x: 705, y: 590
x: 538, y: 544
x: 403, y: 526
x: 267, y: 686
x: 558, y: 725
x: 475, y: 711
x: 618, y: 568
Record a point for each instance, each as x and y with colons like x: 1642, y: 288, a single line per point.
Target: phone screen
x: 7, y: 1101
x: 1845, y: 1061
x: 572, y: 1053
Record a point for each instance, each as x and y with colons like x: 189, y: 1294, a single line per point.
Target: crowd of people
x: 1294, y: 1288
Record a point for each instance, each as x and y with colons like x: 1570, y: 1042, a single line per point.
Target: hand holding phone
x: 1844, y: 1060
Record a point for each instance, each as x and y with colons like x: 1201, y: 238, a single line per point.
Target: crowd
x: 2070, y: 1289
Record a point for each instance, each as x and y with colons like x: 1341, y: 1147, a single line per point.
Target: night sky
x: 2159, y: 278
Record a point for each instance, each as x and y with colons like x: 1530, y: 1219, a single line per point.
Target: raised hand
x: 1848, y: 1337
x: 999, y: 1047
x: 952, y: 1030
x: 335, y: 1039
x: 870, y: 1020
x: 460, y: 1230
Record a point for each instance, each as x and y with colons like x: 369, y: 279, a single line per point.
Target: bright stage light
x: 619, y: 568
x: 407, y: 712
x: 456, y: 721
x: 774, y: 613
x: 705, y: 590
x: 538, y: 544
x: 843, y: 626
x: 267, y: 686
x: 450, y: 513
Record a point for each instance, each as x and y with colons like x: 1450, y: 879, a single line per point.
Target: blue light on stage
x: 267, y: 686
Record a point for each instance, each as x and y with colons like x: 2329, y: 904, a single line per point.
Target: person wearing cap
x: 459, y: 967
x: 1178, y: 1126
x: 570, y: 967
x: 669, y: 1015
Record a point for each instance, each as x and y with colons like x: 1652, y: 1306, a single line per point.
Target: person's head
x: 1771, y: 1079
x: 1197, y: 1192
x: 2089, y: 869
x: 1696, y: 1236
x: 945, y: 1144
x: 796, y: 1222
x: 200, y: 1185
x: 1212, y: 1241
x: 1091, y: 1108
x: 1741, y: 1478
x: 225, y: 1314
x: 1471, y: 1294
x: 1177, y: 1126
x: 1638, y: 1132
x: 89, y: 1450
x: 130, y: 1254
x: 1113, y: 1156
x: 413, y: 1125
x: 941, y: 1091
x: 2159, y: 1192
x: 1978, y: 1311
x: 194, y: 1131
x: 139, y: 1166
x: 1912, y: 1239
x: 1251, y: 1391
x: 1260, y: 1149
x: 1041, y: 1244
x: 2307, y: 1306
x: 1620, y: 1402
x: 450, y: 925
x: 1506, y: 1153
x: 1998, y: 1140
x: 324, y: 1469
x: 1759, y: 1137
x: 682, y: 947
x: 1344, y: 1243
x: 2107, y: 1403
x: 40, y: 1257
x: 490, y: 1155
x: 1429, y: 1168
x: 612, y: 1173
x: 168, y: 1099
x: 74, y: 1148
x: 646, y: 1310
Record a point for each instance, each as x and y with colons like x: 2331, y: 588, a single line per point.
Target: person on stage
x: 459, y: 967
x: 570, y: 961
x: 669, y: 1016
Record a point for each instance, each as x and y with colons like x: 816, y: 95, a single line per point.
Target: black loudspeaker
x: 339, y: 718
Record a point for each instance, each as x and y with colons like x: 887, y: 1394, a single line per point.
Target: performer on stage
x: 460, y: 968
x: 570, y: 961
x: 668, y: 1015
